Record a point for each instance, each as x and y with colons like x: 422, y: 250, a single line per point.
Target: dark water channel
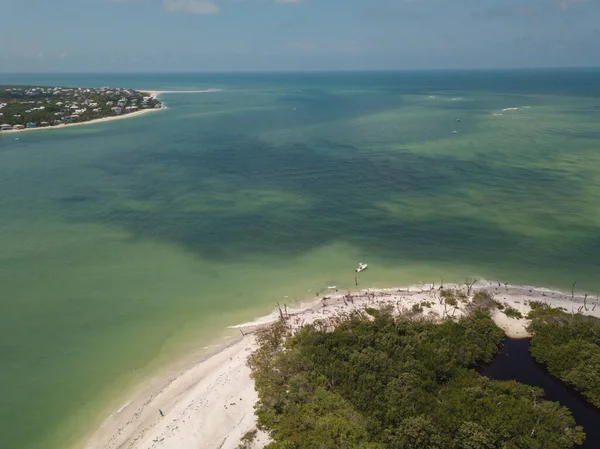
x: 515, y: 363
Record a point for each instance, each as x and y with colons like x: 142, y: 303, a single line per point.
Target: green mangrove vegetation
x: 378, y: 381
x: 42, y: 106
x: 569, y: 346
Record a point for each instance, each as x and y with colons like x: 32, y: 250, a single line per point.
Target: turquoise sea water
x: 127, y: 244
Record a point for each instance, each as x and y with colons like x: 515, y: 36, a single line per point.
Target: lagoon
x: 514, y: 362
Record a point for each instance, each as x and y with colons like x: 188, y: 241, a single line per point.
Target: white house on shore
x: 6, y: 127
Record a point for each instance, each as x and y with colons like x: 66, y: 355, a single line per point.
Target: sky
x: 273, y: 35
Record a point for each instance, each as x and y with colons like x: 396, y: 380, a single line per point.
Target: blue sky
x: 225, y: 35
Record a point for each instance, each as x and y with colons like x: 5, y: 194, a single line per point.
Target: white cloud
x: 191, y: 6
x: 196, y: 6
x: 566, y: 4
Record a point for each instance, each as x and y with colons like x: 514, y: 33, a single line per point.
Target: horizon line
x: 274, y: 71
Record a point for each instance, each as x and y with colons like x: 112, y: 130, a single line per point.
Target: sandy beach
x: 89, y: 122
x: 152, y: 93
x: 210, y: 404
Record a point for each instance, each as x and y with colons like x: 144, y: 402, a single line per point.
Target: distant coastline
x: 152, y: 93
x: 89, y: 122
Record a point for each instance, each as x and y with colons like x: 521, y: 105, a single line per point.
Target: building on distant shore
x: 30, y: 106
x: 17, y: 127
x: 6, y: 127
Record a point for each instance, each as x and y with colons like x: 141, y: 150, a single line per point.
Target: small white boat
x: 361, y: 267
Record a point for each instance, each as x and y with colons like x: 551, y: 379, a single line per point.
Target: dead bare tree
x: 535, y: 427
x: 585, y: 302
x: 469, y: 282
x: 454, y: 311
x: 440, y: 298
x: 506, y: 286
x: 280, y: 313
x: 441, y: 284
x: 573, y: 289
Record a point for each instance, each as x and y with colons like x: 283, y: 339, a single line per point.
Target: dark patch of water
x: 515, y: 363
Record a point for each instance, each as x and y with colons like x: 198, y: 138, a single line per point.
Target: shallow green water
x: 126, y: 244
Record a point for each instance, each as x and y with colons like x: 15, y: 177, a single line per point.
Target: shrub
x: 248, y: 439
x: 483, y: 295
x: 417, y: 308
x: 512, y: 312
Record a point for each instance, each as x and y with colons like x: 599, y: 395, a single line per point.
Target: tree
x: 378, y: 381
x: 469, y: 282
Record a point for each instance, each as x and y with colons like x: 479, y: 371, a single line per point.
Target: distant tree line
x: 20, y: 109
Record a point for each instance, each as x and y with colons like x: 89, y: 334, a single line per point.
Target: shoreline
x: 89, y: 122
x: 210, y: 403
x: 153, y: 93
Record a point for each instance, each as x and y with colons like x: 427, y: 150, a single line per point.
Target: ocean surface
x: 129, y: 244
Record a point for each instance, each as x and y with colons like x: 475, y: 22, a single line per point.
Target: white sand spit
x: 210, y: 405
